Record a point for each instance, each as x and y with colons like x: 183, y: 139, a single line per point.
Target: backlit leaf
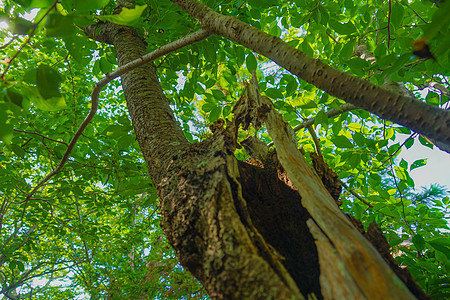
x: 126, y: 17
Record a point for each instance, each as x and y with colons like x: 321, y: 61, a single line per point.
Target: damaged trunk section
x: 277, y: 213
x: 238, y: 228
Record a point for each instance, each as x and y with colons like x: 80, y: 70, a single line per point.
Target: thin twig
x: 9, y: 42
x: 43, y: 136
x: 73, y: 91
x: 391, y: 163
x: 35, y: 26
x: 355, y: 194
x: 389, y: 25
x: 315, y: 139
x: 331, y: 113
x: 412, y: 136
x: 418, y: 15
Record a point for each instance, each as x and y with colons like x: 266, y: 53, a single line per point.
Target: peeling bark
x: 344, y: 255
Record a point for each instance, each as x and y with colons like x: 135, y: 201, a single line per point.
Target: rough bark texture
x: 239, y: 229
x: 375, y: 236
x: 421, y: 117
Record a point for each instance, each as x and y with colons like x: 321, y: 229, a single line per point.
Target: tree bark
x: 421, y: 117
x: 242, y: 231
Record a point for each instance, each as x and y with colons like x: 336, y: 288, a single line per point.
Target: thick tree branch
x: 418, y: 116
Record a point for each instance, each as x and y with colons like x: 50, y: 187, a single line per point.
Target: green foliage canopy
x: 96, y: 222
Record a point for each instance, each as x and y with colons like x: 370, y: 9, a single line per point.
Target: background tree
x: 94, y: 222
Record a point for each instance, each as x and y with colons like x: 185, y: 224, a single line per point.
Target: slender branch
x: 391, y: 163
x: 315, y: 140
x: 412, y: 136
x: 73, y: 91
x: 357, y: 196
x: 389, y: 25
x: 163, y: 50
x: 86, y: 249
x: 41, y: 135
x: 418, y: 15
x: 331, y: 113
x: 9, y: 42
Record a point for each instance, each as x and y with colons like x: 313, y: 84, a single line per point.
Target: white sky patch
x: 4, y: 25
x: 435, y: 171
x: 30, y: 15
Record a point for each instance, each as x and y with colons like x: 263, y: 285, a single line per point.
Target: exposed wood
x: 361, y: 267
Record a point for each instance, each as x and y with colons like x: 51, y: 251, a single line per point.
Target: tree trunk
x: 242, y: 231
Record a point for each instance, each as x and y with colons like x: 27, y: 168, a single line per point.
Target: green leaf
x: 359, y: 139
x: 403, y: 130
x: 441, y: 257
x: 30, y: 76
x: 41, y: 3
x: 306, y: 47
x: 418, y: 163
x: 78, y: 47
x: 208, y: 106
x: 291, y: 86
x: 126, y: 17
x: 20, y: 265
x: 47, y: 81
x: 409, y: 143
x: 273, y: 93
x: 342, y: 142
x: 215, y: 113
x: 354, y: 160
x: 308, y: 104
x: 347, y: 50
x: 322, y: 119
x: 425, y: 142
x: 251, y: 63
x: 441, y: 246
x: 343, y: 28
x: 397, y: 12
x: 226, y: 110
x: 18, y: 150
x: 324, y: 15
x: 14, y: 96
x: 58, y: 25
x: 49, y: 104
x: 6, y: 129
x: 105, y: 65
x: 419, y: 242
x: 22, y: 26
x: 401, y: 173
x: 170, y: 20
x: 86, y: 5
x: 441, y: 18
